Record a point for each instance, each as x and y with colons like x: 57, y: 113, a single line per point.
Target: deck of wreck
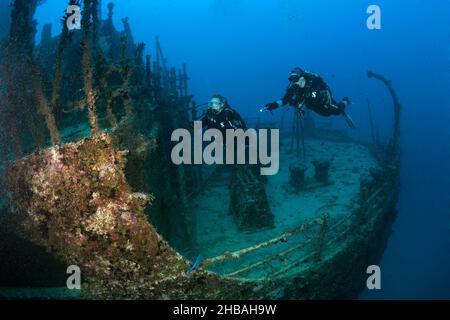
x: 298, y: 216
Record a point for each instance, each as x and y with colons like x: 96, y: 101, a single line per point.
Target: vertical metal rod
x: 293, y: 133
x: 302, y: 133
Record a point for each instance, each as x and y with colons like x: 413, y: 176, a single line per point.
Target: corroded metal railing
x: 238, y: 254
x: 373, y: 207
x: 284, y: 238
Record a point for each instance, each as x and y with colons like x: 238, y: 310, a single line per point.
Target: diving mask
x: 294, y: 77
x: 216, y: 104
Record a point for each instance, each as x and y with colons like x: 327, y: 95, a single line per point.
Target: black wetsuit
x: 225, y: 119
x: 315, y: 95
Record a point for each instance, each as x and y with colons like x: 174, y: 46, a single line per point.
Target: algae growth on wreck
x: 88, y: 178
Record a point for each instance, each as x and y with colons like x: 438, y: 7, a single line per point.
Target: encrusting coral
x: 74, y: 200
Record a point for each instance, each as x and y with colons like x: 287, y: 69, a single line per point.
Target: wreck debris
x: 23, y: 123
x: 91, y: 95
x: 322, y: 168
x: 125, y: 73
x: 298, y: 135
x: 323, y: 223
x: 248, y: 202
x: 58, y: 74
x: 44, y: 107
x: 297, y: 174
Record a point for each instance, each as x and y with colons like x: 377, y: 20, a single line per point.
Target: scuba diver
x: 309, y: 90
x: 221, y: 116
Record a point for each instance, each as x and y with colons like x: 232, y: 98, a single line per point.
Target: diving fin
x: 347, y: 100
x: 349, y: 120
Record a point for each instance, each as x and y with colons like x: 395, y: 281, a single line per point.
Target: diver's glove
x: 272, y: 106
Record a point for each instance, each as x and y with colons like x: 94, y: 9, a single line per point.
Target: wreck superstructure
x: 96, y: 188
